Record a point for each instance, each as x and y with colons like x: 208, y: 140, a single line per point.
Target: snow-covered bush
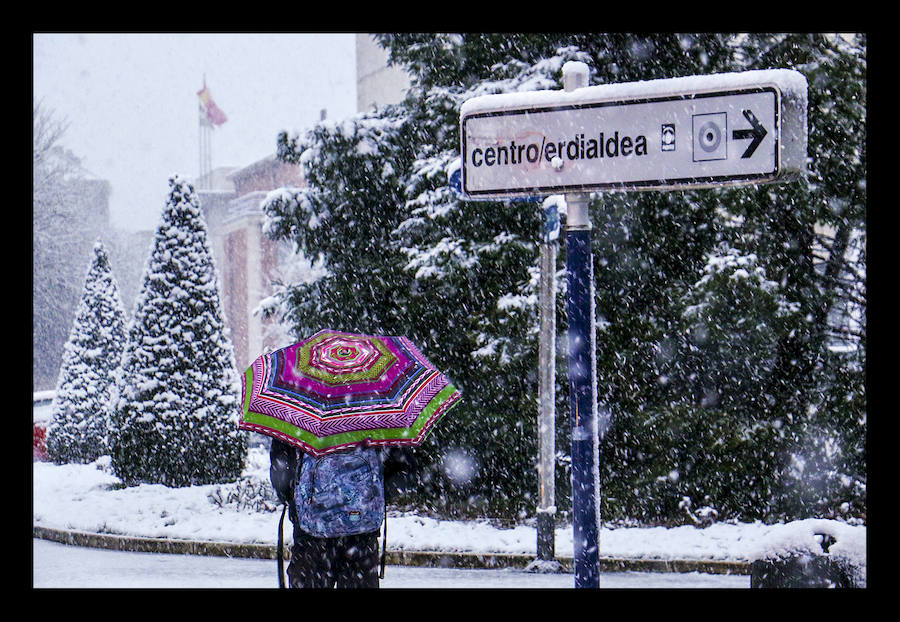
x: 830, y: 549
x: 251, y: 494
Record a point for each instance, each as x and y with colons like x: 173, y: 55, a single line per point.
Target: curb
x: 430, y: 559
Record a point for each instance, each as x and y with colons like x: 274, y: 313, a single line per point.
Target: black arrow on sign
x: 757, y: 133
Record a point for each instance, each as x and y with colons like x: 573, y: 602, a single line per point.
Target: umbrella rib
x: 404, y: 402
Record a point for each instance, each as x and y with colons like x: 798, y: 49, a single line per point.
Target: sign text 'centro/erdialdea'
x: 697, y: 131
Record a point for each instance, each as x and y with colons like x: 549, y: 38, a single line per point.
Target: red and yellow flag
x: 208, y: 107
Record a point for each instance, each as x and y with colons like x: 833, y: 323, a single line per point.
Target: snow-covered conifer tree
x: 91, y: 355
x: 403, y: 252
x: 175, y: 418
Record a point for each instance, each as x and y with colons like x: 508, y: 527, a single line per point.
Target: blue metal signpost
x: 583, y: 407
x: 582, y: 375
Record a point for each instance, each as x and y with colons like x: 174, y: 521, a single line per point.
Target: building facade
x: 247, y: 261
x: 376, y: 83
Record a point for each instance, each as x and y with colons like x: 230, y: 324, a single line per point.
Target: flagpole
x: 200, y: 140
x: 210, y: 116
x: 205, y: 144
x: 205, y: 152
x: 199, y: 148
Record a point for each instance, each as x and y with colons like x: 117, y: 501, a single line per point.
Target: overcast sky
x: 131, y: 102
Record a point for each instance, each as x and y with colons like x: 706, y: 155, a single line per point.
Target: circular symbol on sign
x: 710, y: 136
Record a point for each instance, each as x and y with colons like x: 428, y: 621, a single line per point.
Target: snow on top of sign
x: 789, y: 82
x: 578, y: 69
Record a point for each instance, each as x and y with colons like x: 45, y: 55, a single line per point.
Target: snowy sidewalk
x: 89, y: 500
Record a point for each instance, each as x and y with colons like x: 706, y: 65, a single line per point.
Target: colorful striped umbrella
x: 335, y: 390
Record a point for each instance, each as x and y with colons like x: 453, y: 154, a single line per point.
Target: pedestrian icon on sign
x: 668, y: 137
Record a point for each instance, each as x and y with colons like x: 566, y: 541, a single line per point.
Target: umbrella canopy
x: 335, y: 390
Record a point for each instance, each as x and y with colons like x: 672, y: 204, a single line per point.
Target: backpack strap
x: 290, y: 501
x: 381, y: 453
x: 281, y: 548
x: 384, y: 544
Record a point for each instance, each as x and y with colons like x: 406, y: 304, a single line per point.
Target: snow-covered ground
x: 90, y: 498
x: 62, y: 566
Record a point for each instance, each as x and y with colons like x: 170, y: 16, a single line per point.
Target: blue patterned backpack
x: 340, y: 494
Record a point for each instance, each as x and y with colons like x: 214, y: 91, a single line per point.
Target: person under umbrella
x: 350, y: 561
x: 342, y: 410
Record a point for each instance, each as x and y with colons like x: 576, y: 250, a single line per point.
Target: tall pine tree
x: 405, y: 255
x: 812, y: 236
x: 175, y: 419
x: 745, y: 415
x: 462, y: 279
x: 78, y: 431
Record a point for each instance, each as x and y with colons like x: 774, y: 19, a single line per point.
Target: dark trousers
x: 346, y: 562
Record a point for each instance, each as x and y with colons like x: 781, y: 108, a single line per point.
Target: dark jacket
x: 399, y: 465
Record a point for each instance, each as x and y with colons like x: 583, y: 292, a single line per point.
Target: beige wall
x: 246, y: 260
x: 376, y: 83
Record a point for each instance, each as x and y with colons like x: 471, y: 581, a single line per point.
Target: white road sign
x: 699, y: 131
